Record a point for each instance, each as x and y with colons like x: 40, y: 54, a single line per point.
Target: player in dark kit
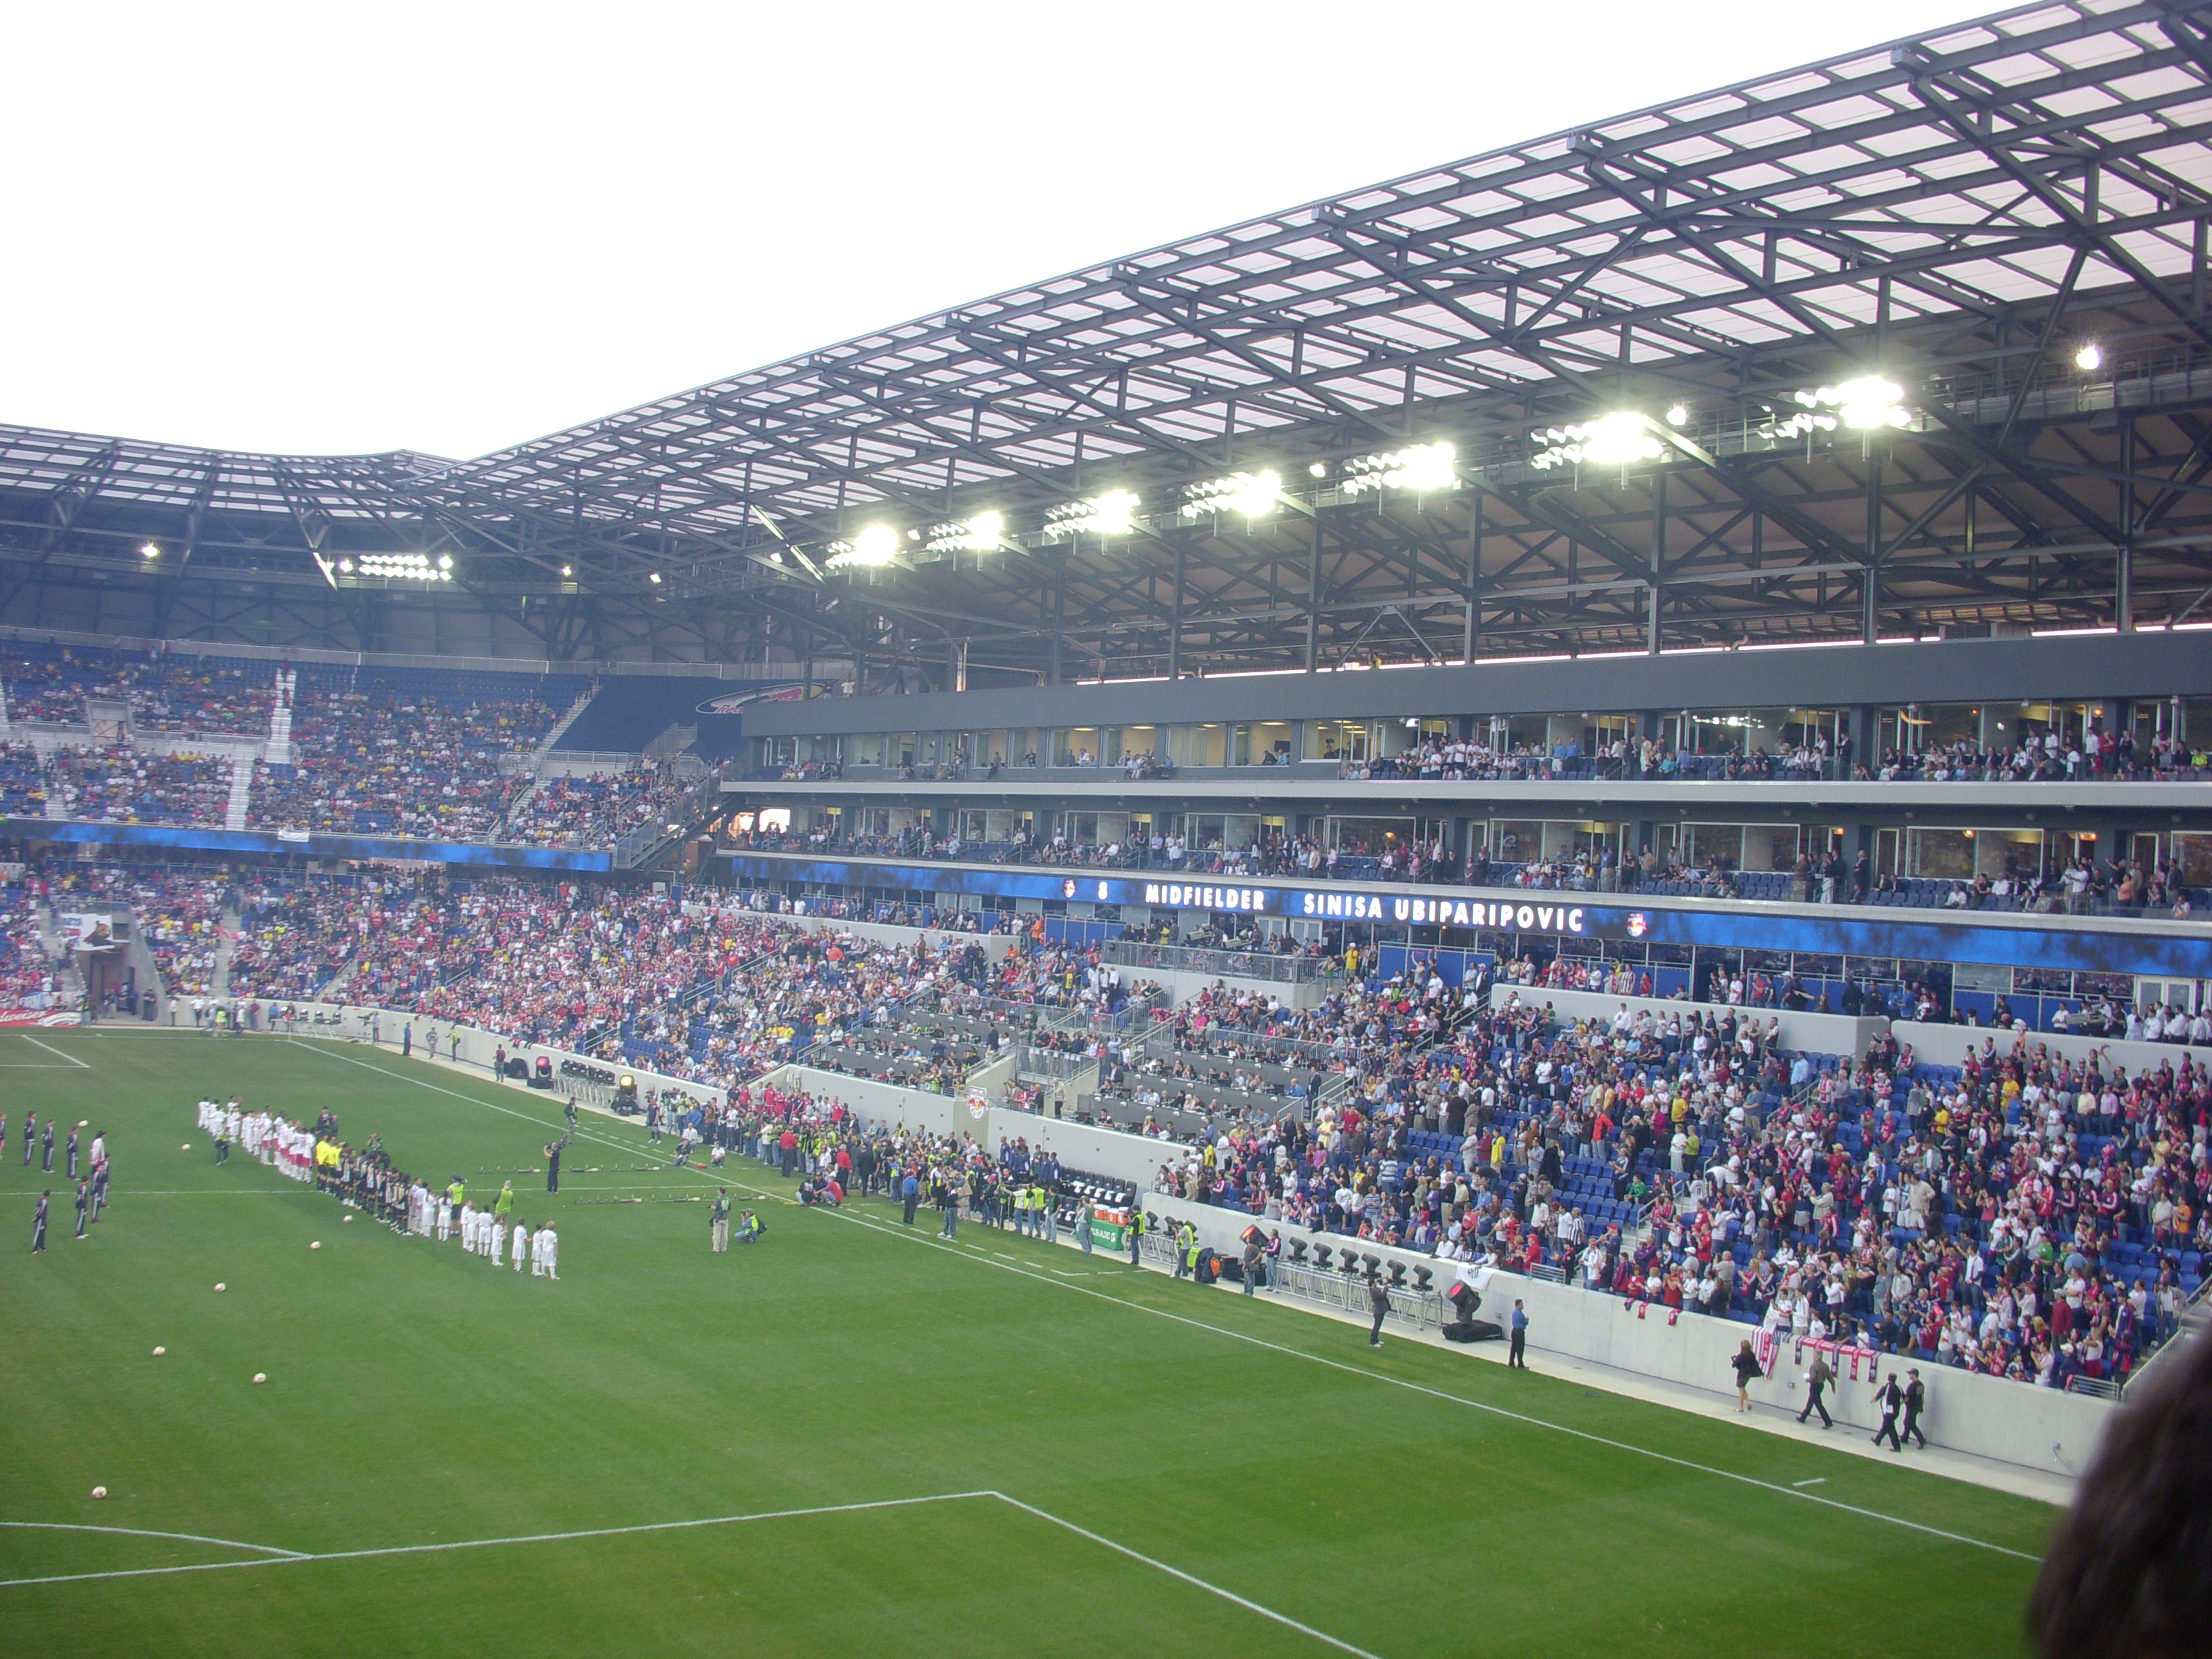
x: 47, y: 1148
x: 38, y: 1226
x: 30, y: 1132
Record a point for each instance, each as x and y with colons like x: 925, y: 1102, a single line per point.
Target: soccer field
x: 848, y: 1438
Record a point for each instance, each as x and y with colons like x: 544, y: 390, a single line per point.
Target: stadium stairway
x: 242, y: 788
x: 561, y: 728
x: 279, y: 751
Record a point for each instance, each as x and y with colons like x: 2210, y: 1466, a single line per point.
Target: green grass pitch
x: 1154, y: 1468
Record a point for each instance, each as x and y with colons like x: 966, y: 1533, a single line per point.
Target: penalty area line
x: 81, y: 1064
x: 292, y: 1558
x: 274, y: 1556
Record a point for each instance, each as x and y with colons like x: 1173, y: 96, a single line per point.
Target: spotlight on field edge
x: 980, y: 534
x: 1616, y: 439
x: 1419, y: 468
x: 1252, y: 494
x: 1113, y: 514
x: 874, y: 547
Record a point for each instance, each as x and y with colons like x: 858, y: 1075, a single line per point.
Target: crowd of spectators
x: 295, y: 937
x: 2026, y: 1215
x: 596, y: 810
x: 116, y: 784
x: 22, y: 781
x: 384, y: 763
x: 27, y: 978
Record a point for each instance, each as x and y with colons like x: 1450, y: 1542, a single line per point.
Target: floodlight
x: 1616, y: 439
x: 1110, y: 514
x: 2090, y: 358
x: 1319, y: 469
x: 1870, y: 402
x: 345, y: 566
x: 1862, y: 404
x: 150, y: 551
x: 567, y: 570
x: 1251, y: 493
x: 1678, y: 415
x: 654, y: 579
x: 1420, y: 467
x: 980, y: 534
x: 444, y: 561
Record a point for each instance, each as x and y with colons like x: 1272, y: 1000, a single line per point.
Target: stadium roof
x: 1957, y: 215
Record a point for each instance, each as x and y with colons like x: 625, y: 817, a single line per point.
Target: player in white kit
x: 548, y: 1246
x: 521, y: 1244
x: 445, y: 1217
x: 498, y: 1238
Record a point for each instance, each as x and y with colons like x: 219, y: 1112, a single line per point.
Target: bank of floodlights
x: 404, y: 567
x: 1421, y: 468
x: 1869, y: 404
x: 1252, y: 494
x: 1110, y: 515
x: 873, y: 548
x: 982, y: 534
x: 1620, y: 439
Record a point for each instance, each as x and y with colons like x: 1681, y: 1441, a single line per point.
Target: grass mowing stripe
x: 1189, y: 1578
x: 140, y: 1532
x: 1301, y: 1353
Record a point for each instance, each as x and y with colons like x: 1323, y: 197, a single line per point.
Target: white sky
x: 450, y: 228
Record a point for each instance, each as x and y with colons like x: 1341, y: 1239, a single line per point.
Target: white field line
x: 930, y: 1239
x: 289, y: 1558
x: 1189, y: 1578
x: 276, y: 1557
x: 140, y: 1532
x: 81, y: 1064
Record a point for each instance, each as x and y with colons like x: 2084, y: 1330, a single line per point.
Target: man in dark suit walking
x: 1816, y: 1381
x: 1916, y: 1398
x: 1890, y: 1398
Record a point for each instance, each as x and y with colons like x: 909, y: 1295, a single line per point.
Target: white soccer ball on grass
x: 219, y: 1287
x: 260, y: 1376
x: 99, y: 1491
x: 317, y: 1245
x: 158, y: 1352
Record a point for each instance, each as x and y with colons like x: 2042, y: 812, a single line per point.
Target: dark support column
x: 1872, y: 548
x: 1473, y: 632
x: 1059, y: 615
x: 2124, y: 576
x: 1313, y: 601
x: 1175, y: 628
x: 1658, y: 558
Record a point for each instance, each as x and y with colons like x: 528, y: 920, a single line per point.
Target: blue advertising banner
x: 266, y: 843
x: 2185, y: 952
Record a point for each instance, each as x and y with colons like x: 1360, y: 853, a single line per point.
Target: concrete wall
x: 1947, y: 1045
x: 2012, y: 1422
x: 1820, y: 1034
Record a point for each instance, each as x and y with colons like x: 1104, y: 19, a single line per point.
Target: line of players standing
x: 91, y: 1184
